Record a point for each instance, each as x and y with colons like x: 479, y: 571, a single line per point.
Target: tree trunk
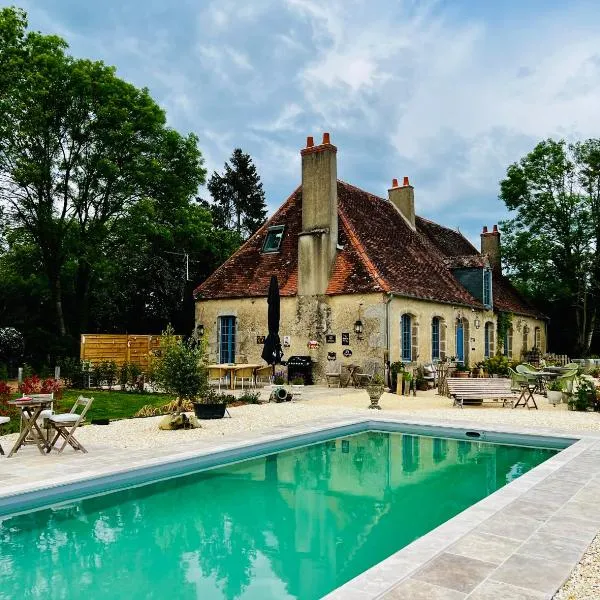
x: 57, y: 296
x: 82, y: 294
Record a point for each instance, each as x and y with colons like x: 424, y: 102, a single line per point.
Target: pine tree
x: 238, y: 196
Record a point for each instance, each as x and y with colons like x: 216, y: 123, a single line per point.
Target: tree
x: 238, y: 196
x: 78, y: 147
x: 550, y: 245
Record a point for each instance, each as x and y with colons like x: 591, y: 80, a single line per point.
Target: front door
x: 226, y: 340
x: 460, y: 342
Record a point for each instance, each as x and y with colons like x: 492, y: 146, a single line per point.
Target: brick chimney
x: 403, y: 198
x: 317, y: 242
x: 490, y: 245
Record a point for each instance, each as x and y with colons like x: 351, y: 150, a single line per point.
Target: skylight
x: 273, y: 239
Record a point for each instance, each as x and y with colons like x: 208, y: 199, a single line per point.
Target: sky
x: 446, y: 92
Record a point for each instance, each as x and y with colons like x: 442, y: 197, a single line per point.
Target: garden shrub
x: 250, y: 397
x: 497, y: 365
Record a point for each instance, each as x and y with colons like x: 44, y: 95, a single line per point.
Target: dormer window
x: 273, y: 239
x: 487, y: 288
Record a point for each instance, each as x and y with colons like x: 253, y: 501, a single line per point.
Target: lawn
x: 107, y: 405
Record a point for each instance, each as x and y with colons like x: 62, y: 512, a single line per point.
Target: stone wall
x: 307, y: 318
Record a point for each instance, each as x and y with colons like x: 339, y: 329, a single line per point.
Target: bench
x: 478, y: 390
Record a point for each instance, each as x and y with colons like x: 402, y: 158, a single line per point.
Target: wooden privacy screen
x: 138, y: 349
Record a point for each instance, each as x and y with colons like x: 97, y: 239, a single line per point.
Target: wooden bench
x: 478, y: 390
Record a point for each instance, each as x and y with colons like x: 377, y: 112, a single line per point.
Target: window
x: 489, y: 340
x: 508, y: 339
x: 537, y: 338
x: 406, y: 338
x: 226, y: 340
x: 487, y: 288
x: 460, y: 341
x: 273, y: 239
x: 435, y: 338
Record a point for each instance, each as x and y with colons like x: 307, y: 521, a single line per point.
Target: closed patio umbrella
x: 272, y: 352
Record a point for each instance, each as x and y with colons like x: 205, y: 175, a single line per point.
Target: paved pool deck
x: 520, y: 542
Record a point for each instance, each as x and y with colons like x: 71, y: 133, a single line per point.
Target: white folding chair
x: 3, y: 421
x: 65, y: 425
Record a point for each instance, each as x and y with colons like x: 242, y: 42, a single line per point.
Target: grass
x: 107, y: 405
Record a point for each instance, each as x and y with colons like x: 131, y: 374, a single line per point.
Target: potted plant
x: 406, y: 382
x: 181, y: 370
x: 375, y: 389
x: 462, y: 370
x: 555, y: 392
x: 211, y: 405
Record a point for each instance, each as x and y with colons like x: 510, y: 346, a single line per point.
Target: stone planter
x: 463, y: 374
x: 554, y: 397
x: 375, y: 392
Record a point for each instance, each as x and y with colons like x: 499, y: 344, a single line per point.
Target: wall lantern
x: 477, y: 323
x: 519, y: 324
x: 200, y: 330
x: 358, y: 328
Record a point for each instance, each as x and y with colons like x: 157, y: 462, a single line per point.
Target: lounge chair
x: 65, y: 425
x: 3, y: 421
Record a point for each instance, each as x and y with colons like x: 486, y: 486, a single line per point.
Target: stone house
x: 362, y: 278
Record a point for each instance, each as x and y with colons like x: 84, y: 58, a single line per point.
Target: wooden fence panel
x: 119, y: 348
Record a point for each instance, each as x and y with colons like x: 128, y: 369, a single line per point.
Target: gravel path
x: 584, y: 582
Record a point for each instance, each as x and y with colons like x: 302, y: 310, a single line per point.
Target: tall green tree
x: 78, y: 147
x: 238, y: 196
x: 550, y: 245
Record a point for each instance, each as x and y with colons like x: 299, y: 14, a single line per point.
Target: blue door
x: 226, y: 339
x: 460, y: 343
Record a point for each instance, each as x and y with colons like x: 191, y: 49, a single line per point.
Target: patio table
x: 232, y: 368
x: 30, y: 412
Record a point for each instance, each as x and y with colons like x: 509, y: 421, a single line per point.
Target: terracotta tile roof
x: 381, y: 253
x: 465, y: 262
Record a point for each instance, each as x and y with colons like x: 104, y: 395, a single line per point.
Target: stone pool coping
x: 522, y: 541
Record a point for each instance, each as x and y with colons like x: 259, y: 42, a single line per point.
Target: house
x: 364, y: 278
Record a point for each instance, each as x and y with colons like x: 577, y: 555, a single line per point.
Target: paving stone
x: 486, y: 547
x: 538, y: 574
x: 411, y: 589
x: 455, y: 572
x: 496, y: 590
x: 554, y: 547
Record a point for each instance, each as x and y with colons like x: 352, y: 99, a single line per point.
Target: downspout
x: 390, y: 297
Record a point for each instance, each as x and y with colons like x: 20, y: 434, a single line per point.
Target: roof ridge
x: 362, y: 253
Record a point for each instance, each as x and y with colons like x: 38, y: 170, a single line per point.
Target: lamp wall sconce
x: 519, y: 324
x: 358, y: 329
x: 200, y: 329
x: 477, y: 323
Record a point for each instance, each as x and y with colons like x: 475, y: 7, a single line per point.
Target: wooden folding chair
x: 3, y: 421
x: 65, y: 425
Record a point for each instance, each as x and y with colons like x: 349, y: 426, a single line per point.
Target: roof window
x: 273, y: 239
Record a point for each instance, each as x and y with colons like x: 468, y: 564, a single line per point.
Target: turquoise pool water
x: 296, y: 524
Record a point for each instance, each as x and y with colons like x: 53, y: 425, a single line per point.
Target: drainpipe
x: 390, y: 297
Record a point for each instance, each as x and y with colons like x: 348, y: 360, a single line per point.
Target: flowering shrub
x: 31, y: 385
x: 6, y: 410
x: 52, y: 386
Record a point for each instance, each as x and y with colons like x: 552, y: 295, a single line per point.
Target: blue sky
x: 448, y: 92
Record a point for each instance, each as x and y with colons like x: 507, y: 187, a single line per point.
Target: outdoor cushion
x: 65, y: 418
x: 46, y: 414
x: 4, y: 420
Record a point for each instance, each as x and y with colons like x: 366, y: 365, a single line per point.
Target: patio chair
x: 3, y: 421
x: 264, y: 375
x: 333, y: 373
x: 521, y: 382
x: 244, y: 374
x: 217, y: 376
x: 364, y: 377
x: 65, y: 425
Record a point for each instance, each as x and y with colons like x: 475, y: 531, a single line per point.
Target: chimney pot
x: 405, y: 181
x: 326, y: 139
x: 310, y: 142
x: 394, y: 183
x: 485, y: 229
x: 495, y: 228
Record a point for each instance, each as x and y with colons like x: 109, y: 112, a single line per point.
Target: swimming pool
x: 292, y: 524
